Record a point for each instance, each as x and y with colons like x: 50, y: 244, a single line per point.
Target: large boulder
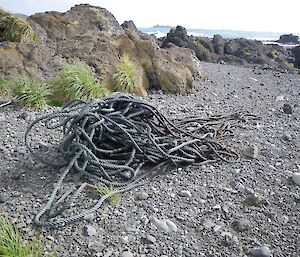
x: 219, y: 44
x: 296, y: 52
x: 178, y: 36
x: 79, y: 20
x: 288, y: 39
x: 129, y: 25
x: 92, y: 36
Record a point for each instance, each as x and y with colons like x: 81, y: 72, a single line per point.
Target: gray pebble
x: 127, y: 254
x: 296, y: 178
x: 140, y: 196
x: 262, y: 251
x: 163, y: 225
x: 2, y: 118
x: 150, y: 239
x: 287, y: 108
x: 251, y: 151
x: 90, y: 231
x: 2, y: 198
x: 241, y: 225
x: 255, y: 200
x: 185, y: 193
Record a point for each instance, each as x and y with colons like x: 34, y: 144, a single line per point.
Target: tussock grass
x: 125, y: 79
x: 4, y: 89
x: 12, y: 243
x: 76, y: 81
x: 30, y: 93
x: 104, y: 190
x: 15, y: 29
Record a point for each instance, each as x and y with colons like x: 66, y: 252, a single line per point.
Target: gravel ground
x: 249, y: 208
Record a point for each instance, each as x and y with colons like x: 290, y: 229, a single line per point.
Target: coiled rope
x: 117, y: 141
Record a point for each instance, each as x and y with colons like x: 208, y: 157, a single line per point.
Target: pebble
x: 164, y: 225
x: 2, y: 118
x: 296, y: 178
x: 207, y: 224
x: 140, y: 196
x: 185, y: 193
x: 150, y: 239
x: 89, y: 217
x: 2, y: 198
x: 262, y: 251
x: 251, y: 151
x: 90, y: 230
x: 287, y: 108
x: 255, y: 200
x: 241, y: 225
x: 127, y: 254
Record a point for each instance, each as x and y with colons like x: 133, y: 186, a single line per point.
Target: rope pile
x: 117, y: 141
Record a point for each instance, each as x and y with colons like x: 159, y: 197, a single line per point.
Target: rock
x: 90, y: 231
x: 251, y: 151
x: 127, y: 254
x: 296, y: 52
x: 185, y: 193
x: 241, y: 225
x: 255, y: 200
x: 150, y: 239
x: 2, y: 118
x: 129, y: 25
x: 287, y: 108
x: 164, y: 225
x: 207, y: 223
x: 2, y: 198
x: 296, y: 178
x: 89, y: 217
x: 288, y: 39
x: 140, y: 196
x: 219, y: 44
x: 262, y: 251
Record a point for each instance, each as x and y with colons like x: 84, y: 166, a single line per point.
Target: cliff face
x: 92, y: 35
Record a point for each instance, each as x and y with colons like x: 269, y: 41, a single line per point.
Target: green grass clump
x: 76, y: 81
x: 12, y: 243
x: 125, y: 80
x: 15, y: 29
x: 104, y: 190
x: 4, y: 90
x: 29, y: 92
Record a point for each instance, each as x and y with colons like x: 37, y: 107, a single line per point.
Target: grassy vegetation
x: 15, y: 29
x: 76, y: 81
x: 29, y: 92
x: 104, y: 190
x: 125, y: 80
x: 4, y: 90
x: 12, y: 243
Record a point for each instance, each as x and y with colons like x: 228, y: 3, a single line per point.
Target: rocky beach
x: 247, y: 208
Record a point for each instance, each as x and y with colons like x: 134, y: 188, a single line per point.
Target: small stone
x: 164, y: 225
x: 255, y: 200
x: 185, y: 193
x: 287, y: 108
x: 2, y: 198
x: 241, y: 225
x: 127, y: 254
x: 207, y: 224
x: 2, y: 118
x: 140, y: 196
x: 51, y: 238
x: 296, y: 178
x: 262, y: 251
x: 217, y: 207
x: 150, y: 239
x: 90, y: 231
x: 251, y: 151
x: 280, y: 98
x: 89, y: 217
x: 287, y: 136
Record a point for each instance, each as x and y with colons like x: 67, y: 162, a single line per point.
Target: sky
x: 249, y: 15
